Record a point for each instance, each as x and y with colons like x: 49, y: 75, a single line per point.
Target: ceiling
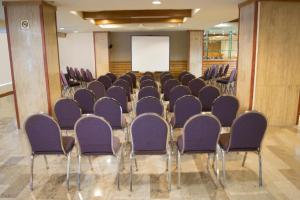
x: 212, y: 12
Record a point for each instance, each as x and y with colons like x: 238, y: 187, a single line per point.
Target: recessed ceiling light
x: 75, y: 31
x: 222, y: 25
x: 196, y: 10
x: 73, y: 12
x: 92, y: 21
x: 109, y: 26
x: 61, y: 28
x: 184, y: 19
x: 156, y: 2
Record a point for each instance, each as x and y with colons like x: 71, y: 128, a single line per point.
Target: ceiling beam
x: 120, y: 14
x: 139, y: 20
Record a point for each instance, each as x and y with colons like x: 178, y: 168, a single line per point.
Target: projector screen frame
x: 152, y: 36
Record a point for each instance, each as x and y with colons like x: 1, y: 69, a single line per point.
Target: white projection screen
x: 150, y: 53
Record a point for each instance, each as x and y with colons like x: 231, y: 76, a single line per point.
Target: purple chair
x: 78, y: 75
x: 187, y: 78
x: 168, y: 86
x: 72, y: 74
x: 177, y: 92
x: 206, y: 74
x: 200, y: 135
x: 112, y: 76
x: 124, y: 84
x: 163, y: 80
x: 184, y: 108
x: 68, y: 88
x: 148, y: 91
x: 163, y: 74
x: 148, y: 74
x: 146, y: 77
x: 247, y: 132
x: 149, y: 105
x: 227, y: 83
x: 149, y: 133
x: 84, y: 75
x: 95, y: 138
x: 148, y: 83
x: 86, y: 100
x: 196, y: 85
x: 182, y: 74
x: 68, y: 71
x: 127, y: 78
x: 105, y: 80
x: 207, y: 95
x: 221, y: 70
x: 225, y: 70
x: 118, y: 93
x: 45, y: 138
x: 225, y: 109
x: 89, y: 75
x: 67, y: 112
x: 98, y: 88
x: 133, y: 78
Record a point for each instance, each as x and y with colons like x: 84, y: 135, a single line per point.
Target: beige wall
x: 101, y: 53
x: 195, y: 52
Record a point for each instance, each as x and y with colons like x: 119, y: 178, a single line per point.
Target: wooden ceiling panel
x: 138, y: 20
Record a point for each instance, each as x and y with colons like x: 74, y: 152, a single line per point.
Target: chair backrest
x: 207, y: 95
x: 67, y: 112
x: 149, y: 134
x: 124, y: 84
x: 147, y: 83
x: 168, y: 86
x: 148, y: 91
x: 98, y: 88
x: 94, y: 135
x: 84, y: 75
x: 68, y: 70
x: 163, y: 74
x: 63, y: 79
x: 184, y: 108
x: 72, y: 73
x: 187, y: 78
x: 146, y: 77
x: 177, y: 92
x: 86, y: 100
x: 196, y: 85
x: 133, y: 78
x: 119, y: 93
x: 201, y: 134
x: 225, y: 109
x: 182, y: 74
x: 128, y: 79
x: 149, y: 105
x: 111, y: 110
x: 43, y: 134
x: 89, y: 75
x: 164, y: 79
x: 112, y: 76
x: 247, y: 131
x: 105, y: 80
x: 78, y: 75
x: 232, y: 76
x: 221, y: 69
x: 148, y: 74
x: 225, y: 70
x: 213, y: 72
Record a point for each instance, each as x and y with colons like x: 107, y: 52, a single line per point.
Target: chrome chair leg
x: 78, y: 172
x: 223, y: 164
x: 244, y: 159
x: 260, y: 169
x: 91, y: 164
x: 136, y: 166
x: 169, y: 169
x: 130, y: 177
x: 31, y: 171
x: 208, y: 161
x: 46, y: 161
x: 178, y: 169
x: 68, y: 169
x: 167, y: 163
x: 217, y: 165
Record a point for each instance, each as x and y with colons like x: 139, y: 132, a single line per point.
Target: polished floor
x: 281, y: 171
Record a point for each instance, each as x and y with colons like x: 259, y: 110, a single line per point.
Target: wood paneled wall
x: 101, y: 53
x: 195, y: 52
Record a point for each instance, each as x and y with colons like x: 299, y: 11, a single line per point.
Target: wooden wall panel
x: 27, y: 59
x: 245, y: 57
x: 101, y: 53
x: 277, y: 70
x: 195, y: 52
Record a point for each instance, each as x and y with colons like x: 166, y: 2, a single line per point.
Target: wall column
x: 33, y: 51
x: 101, y: 47
x: 195, y: 52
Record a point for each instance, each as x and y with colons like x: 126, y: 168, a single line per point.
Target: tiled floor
x: 281, y: 174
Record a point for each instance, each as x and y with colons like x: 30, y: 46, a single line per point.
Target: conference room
x: 149, y: 99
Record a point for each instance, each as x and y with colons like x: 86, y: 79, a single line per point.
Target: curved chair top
x: 187, y: 78
x: 148, y: 91
x: 120, y: 94
x: 146, y: 77
x: 105, y: 80
x: 177, y: 92
x: 149, y: 105
x: 86, y: 100
x: 182, y: 74
x: 98, y: 88
x: 112, y: 76
x: 207, y: 95
x: 168, y: 86
x: 148, y: 82
x: 196, y: 85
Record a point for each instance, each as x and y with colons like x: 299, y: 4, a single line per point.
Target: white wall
x: 5, y: 76
x: 77, y: 50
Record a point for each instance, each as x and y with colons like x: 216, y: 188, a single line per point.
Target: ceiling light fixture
x: 61, y: 28
x: 156, y: 2
x: 92, y: 21
x: 185, y: 19
x: 76, y: 31
x: 109, y: 26
x: 196, y: 10
x: 222, y: 25
x: 73, y: 12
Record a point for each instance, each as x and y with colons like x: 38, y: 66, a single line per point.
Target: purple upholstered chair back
x: 180, y: 76
x: 133, y: 78
x: 86, y: 100
x: 105, y: 80
x: 128, y: 79
x: 207, y: 95
x: 196, y: 85
x: 247, y: 131
x: 221, y: 69
x: 184, y: 108
x: 214, y: 72
x: 67, y: 112
x: 225, y: 70
x: 124, y: 84
x: 68, y: 70
x: 163, y: 74
x: 164, y: 79
x: 72, y: 73
x: 200, y: 134
x: 148, y: 91
x: 168, y: 86
x: 187, y: 78
x: 112, y: 76
x: 118, y: 93
x: 94, y: 135
x: 78, y: 75
x: 148, y: 82
x: 148, y: 74
x: 98, y: 88
x: 177, y: 92
x: 63, y: 79
x: 225, y: 109
x: 149, y: 134
x: 146, y: 77
x: 89, y: 75
x: 232, y: 76
x: 84, y: 75
x: 111, y: 110
x: 43, y: 134
x: 149, y: 105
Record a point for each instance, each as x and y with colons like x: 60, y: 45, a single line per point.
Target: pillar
x: 195, y: 52
x: 101, y: 47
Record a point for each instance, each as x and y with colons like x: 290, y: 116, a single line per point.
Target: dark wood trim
x: 298, y: 114
x: 94, y: 40
x: 6, y: 94
x: 252, y: 1
x: 59, y: 67
x: 12, y: 67
x: 238, y: 51
x: 45, y: 58
x: 253, y: 55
